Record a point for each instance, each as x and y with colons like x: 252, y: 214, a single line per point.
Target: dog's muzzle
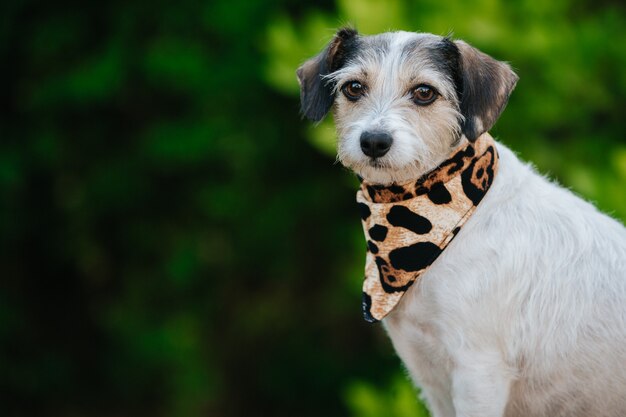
x: 375, y: 144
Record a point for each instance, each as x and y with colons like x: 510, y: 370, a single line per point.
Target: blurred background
x: 176, y: 241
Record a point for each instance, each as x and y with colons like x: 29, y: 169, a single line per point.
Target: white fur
x: 418, y: 146
x: 524, y: 314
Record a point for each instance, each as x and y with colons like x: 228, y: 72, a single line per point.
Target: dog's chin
x: 380, y: 172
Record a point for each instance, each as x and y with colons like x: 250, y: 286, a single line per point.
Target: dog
x: 524, y: 312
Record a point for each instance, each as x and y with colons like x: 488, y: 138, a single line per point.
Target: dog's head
x: 402, y: 100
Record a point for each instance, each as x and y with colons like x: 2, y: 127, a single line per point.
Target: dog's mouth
x: 377, y: 163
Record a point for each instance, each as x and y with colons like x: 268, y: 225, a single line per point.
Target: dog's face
x: 402, y: 100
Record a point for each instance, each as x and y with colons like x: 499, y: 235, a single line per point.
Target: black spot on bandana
x: 415, y: 257
x: 455, y: 163
x: 439, y: 194
x: 378, y: 232
x: 382, y: 265
x: 372, y: 247
x: 396, y: 189
x: 388, y: 281
x: 364, y: 210
x: 472, y: 190
x: 420, y: 190
x: 401, y: 216
x: 372, y: 192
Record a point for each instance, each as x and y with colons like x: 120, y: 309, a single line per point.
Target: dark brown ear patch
x: 486, y: 87
x: 316, y: 94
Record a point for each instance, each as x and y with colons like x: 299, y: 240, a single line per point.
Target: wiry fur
x: 524, y: 313
x: 418, y: 146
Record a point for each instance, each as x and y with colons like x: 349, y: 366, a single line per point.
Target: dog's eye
x: 353, y: 90
x: 423, y: 94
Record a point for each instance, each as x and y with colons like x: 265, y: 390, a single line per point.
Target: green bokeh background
x: 176, y: 241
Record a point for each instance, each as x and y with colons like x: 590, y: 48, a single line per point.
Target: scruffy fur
x: 524, y: 313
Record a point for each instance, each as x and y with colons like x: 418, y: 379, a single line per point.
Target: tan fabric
x: 408, y: 226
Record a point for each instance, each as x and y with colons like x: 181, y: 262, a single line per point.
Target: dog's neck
x: 407, y: 226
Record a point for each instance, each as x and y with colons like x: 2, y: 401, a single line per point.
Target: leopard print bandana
x: 408, y: 226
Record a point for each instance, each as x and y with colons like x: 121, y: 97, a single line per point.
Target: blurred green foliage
x: 175, y: 240
x: 397, y: 399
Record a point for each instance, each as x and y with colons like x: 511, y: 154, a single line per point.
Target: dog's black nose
x: 375, y: 144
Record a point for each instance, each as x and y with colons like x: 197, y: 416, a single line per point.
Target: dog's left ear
x: 486, y: 87
x: 316, y: 94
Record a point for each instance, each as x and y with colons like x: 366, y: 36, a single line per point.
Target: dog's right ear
x: 316, y: 93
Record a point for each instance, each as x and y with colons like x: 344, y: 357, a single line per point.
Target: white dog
x: 524, y: 312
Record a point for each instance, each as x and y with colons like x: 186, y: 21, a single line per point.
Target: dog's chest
x: 416, y: 338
